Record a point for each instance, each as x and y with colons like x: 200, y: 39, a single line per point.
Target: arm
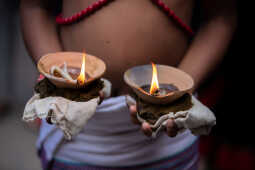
x: 212, y: 40
x: 39, y: 29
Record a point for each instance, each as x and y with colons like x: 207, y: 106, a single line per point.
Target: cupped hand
x: 171, y: 127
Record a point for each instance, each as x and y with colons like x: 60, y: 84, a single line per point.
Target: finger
x: 133, y: 109
x: 41, y: 77
x: 171, y: 128
x: 133, y: 113
x: 146, y: 129
x: 130, y: 101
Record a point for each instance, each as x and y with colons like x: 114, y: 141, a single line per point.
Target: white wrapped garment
x: 199, y: 119
x: 69, y: 116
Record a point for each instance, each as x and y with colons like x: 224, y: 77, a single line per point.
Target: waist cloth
x: 110, y: 139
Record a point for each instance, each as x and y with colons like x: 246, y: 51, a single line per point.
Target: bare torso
x: 126, y: 33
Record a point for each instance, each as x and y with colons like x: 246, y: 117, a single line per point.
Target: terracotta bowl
x: 95, y: 67
x: 139, y: 76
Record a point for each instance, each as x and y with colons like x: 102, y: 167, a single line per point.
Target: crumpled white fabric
x: 199, y: 119
x: 69, y: 116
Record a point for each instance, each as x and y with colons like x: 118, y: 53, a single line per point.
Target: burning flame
x: 154, y: 81
x: 81, y: 78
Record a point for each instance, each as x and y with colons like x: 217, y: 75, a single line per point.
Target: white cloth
x: 199, y: 119
x: 69, y: 116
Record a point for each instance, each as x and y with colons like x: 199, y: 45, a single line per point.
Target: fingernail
x: 146, y: 129
x: 133, y: 108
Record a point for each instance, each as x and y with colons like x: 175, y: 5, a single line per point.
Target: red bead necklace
x: 100, y: 3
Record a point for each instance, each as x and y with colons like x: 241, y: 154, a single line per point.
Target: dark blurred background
x: 228, y: 92
x: 17, y: 77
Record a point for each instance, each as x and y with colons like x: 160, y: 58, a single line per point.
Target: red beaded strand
x: 174, y: 17
x: 76, y: 17
x: 99, y: 4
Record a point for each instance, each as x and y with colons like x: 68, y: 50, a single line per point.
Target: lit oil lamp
x: 71, y: 69
x: 72, y: 80
x: 158, y: 84
x: 159, y: 90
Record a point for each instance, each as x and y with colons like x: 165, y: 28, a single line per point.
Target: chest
x: 128, y: 6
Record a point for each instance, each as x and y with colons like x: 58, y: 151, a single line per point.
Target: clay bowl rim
x: 49, y: 76
x: 133, y: 85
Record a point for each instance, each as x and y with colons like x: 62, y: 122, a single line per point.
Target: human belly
x: 125, y: 34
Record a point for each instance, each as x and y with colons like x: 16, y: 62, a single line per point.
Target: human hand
x: 171, y: 127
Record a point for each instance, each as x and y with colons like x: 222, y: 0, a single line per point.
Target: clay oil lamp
x: 71, y: 69
x: 158, y: 84
x: 159, y: 89
x: 69, y: 92
x: 72, y: 75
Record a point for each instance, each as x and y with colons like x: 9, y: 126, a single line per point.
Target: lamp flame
x: 81, y: 78
x: 154, y: 81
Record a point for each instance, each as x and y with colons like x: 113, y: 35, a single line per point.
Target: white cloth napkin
x: 199, y: 119
x: 69, y: 116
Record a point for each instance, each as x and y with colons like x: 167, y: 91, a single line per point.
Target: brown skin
x: 127, y: 33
